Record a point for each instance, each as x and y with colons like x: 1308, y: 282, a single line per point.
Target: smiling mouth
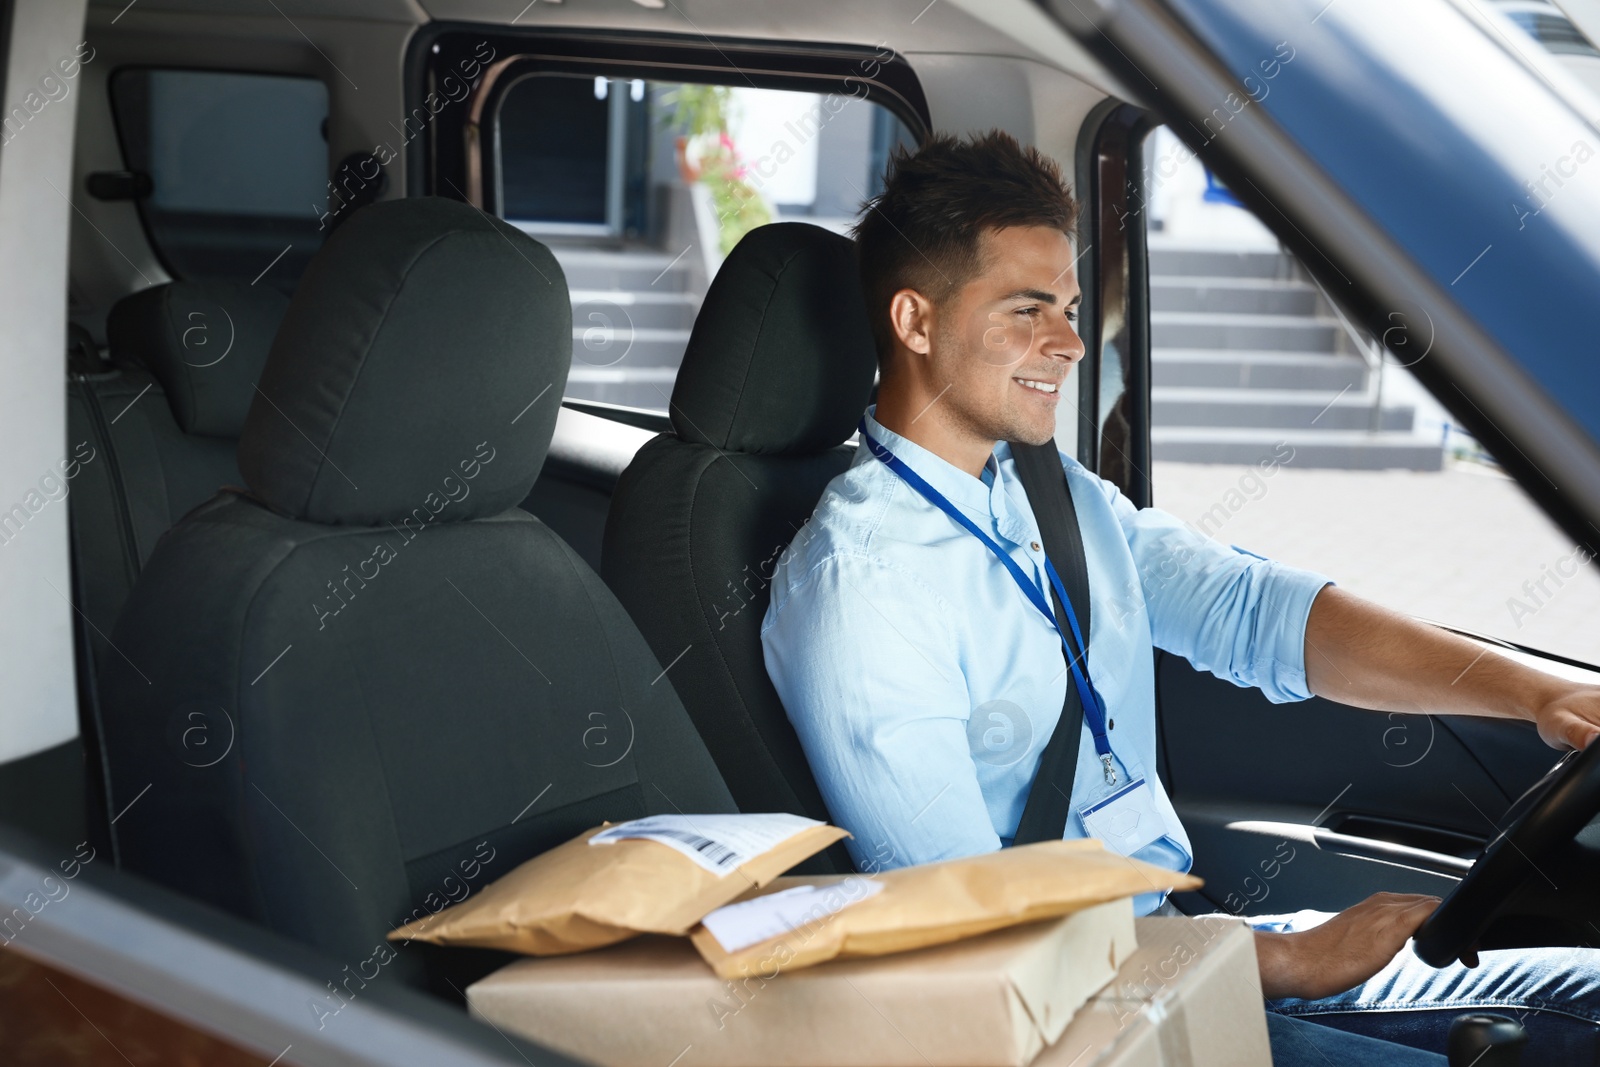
x: 1036, y: 385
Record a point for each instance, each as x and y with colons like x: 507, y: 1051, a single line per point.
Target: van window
x: 1279, y: 427
x: 238, y: 165
x: 641, y: 188
x: 1547, y: 24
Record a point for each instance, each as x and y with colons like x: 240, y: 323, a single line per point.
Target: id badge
x: 1127, y: 820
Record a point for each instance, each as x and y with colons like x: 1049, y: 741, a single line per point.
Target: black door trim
x: 439, y: 161
x: 1116, y: 280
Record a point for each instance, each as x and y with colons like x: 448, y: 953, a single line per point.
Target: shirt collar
x: 959, y: 487
x: 1015, y: 524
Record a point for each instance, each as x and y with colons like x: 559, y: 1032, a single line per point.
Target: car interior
x: 434, y: 428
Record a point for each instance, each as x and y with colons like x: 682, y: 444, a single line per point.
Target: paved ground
x: 1455, y: 546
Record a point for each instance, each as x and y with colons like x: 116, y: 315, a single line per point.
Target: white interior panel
x: 41, y: 101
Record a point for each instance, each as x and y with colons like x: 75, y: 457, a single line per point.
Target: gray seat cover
x: 372, y: 684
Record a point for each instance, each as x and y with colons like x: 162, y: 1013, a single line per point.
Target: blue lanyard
x: 1094, y: 711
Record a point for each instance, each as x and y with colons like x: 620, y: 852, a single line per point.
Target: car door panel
x: 1512, y: 753
x: 1260, y: 866
x: 573, y: 493
x: 1342, y: 786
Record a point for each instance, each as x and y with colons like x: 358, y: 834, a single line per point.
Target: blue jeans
x: 1553, y: 992
x: 1298, y: 1043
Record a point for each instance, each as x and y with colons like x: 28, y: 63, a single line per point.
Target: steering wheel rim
x: 1548, y: 815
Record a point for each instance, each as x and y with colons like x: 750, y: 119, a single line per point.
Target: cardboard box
x: 1190, y: 996
x: 990, y: 1001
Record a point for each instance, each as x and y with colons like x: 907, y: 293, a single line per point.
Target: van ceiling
x: 1011, y: 28
x: 981, y: 63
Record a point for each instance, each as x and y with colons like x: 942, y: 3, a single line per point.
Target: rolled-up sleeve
x: 866, y: 667
x: 1228, y: 611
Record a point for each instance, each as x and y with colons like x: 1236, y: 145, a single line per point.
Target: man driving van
x: 917, y: 614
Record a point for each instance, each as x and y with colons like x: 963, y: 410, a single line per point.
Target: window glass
x: 1547, y: 24
x: 238, y: 165
x: 1278, y: 427
x: 1539, y: 25
x: 641, y: 188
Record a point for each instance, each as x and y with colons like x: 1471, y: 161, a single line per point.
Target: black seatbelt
x: 1044, y: 817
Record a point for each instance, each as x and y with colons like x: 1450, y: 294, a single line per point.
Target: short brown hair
x: 922, y: 231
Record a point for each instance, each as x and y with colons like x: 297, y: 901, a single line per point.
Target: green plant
x: 701, y: 115
x: 697, y: 110
x: 740, y: 208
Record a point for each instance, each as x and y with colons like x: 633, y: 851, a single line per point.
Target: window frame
x: 441, y: 161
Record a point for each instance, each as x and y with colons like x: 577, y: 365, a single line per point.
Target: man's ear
x: 911, y: 316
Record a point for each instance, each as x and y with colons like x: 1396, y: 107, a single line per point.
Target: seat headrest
x: 205, y: 342
x: 781, y: 357
x: 420, y: 366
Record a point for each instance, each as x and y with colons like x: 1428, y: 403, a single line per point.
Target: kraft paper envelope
x: 579, y: 896
x: 935, y: 903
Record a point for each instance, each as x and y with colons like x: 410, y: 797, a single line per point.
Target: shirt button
x: 1034, y: 545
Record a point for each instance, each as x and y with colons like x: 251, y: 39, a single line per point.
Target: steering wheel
x: 1545, y: 818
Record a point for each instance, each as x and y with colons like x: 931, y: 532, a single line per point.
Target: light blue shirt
x: 924, y: 685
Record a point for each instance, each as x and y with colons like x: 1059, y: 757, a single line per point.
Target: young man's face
x: 1005, y: 340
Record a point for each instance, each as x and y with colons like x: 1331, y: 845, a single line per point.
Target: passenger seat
x: 412, y: 684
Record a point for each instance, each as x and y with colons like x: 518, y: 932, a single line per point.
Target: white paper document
x: 738, y: 926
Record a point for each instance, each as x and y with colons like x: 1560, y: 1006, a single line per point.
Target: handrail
x: 1367, y: 347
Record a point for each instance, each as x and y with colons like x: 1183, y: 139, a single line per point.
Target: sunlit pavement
x: 1456, y: 546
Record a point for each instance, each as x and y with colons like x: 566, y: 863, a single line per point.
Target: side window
x: 642, y: 187
x: 1278, y: 427
x: 238, y: 168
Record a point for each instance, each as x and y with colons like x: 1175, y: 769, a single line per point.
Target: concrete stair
x: 1263, y: 296
x: 632, y: 311
x: 1247, y: 356
x: 1228, y: 370
x: 1265, y: 409
x: 1243, y: 330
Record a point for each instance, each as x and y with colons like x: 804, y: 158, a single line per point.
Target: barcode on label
x: 720, y: 855
x: 717, y: 843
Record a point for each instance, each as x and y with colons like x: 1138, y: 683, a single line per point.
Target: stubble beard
x: 1005, y: 424
x: 1008, y: 423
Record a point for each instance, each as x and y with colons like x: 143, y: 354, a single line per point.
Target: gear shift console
x: 1484, y: 1040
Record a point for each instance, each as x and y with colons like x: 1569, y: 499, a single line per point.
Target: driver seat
x: 371, y: 684
x: 777, y: 373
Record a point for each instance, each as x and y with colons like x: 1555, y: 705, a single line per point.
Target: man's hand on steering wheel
x: 1367, y: 656
x: 1572, y: 720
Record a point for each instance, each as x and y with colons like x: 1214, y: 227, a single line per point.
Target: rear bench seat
x: 154, y: 435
